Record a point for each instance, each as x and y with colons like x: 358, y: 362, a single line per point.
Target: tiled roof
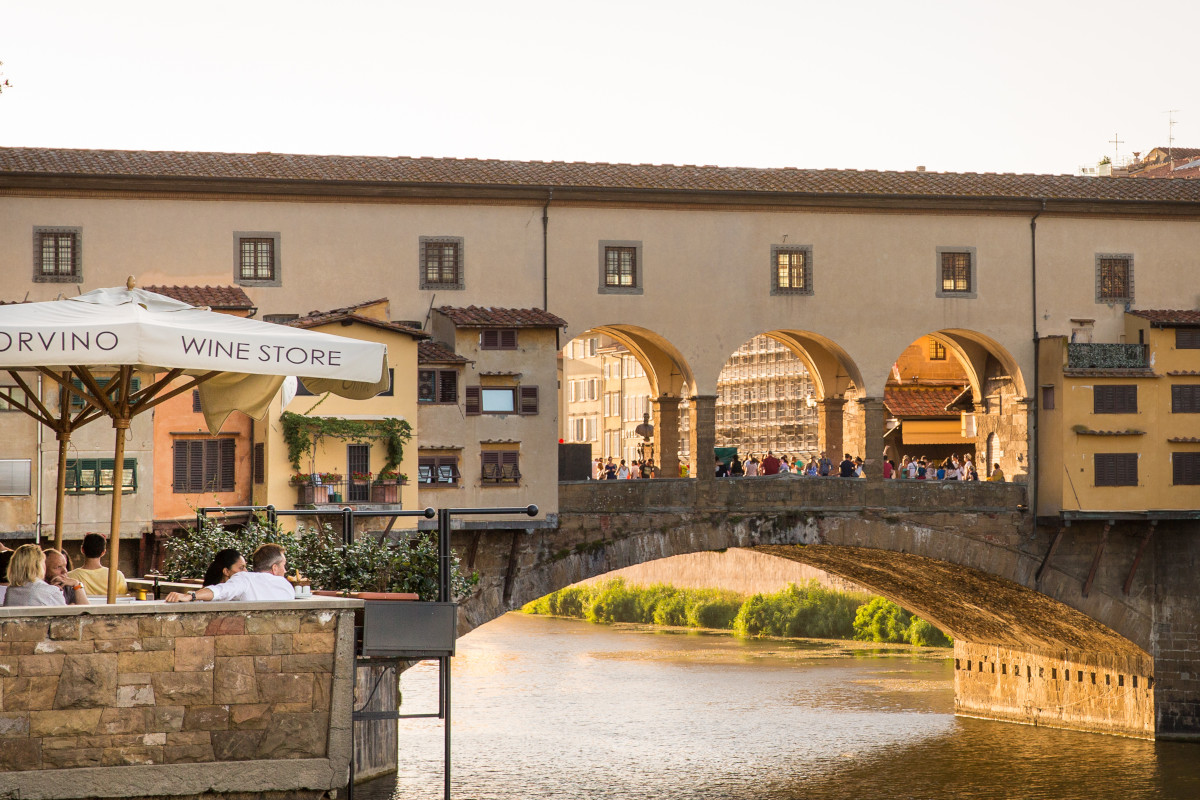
x: 477, y: 317
x: 224, y: 297
x: 1167, y: 318
x: 920, y: 401
x: 1184, y: 439
x: 380, y: 171
x: 434, y: 352
x: 341, y: 315
x: 1175, y: 373
x: 354, y: 307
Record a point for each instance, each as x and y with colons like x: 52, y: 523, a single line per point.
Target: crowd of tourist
x: 921, y: 468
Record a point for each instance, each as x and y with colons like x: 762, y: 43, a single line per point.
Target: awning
x: 932, y: 431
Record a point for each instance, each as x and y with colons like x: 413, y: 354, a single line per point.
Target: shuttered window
x: 501, y: 400
x: 437, y: 386
x: 500, y: 467
x: 196, y: 401
x: 260, y: 463
x: 1116, y: 469
x: 438, y: 470
x: 498, y: 339
x: 204, y: 465
x: 1185, y: 399
x: 95, y: 476
x: 529, y: 399
x: 1114, y: 400
x: 1187, y: 338
x: 1185, y: 468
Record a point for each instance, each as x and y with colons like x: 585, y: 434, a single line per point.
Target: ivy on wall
x: 303, y: 433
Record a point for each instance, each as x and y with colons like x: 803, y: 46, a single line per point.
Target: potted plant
x: 360, y: 478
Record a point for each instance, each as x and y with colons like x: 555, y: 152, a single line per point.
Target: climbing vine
x: 302, y: 433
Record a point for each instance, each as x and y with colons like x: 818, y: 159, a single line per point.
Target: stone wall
x: 150, y: 700
x: 1100, y: 693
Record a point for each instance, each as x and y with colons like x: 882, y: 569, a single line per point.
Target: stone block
x: 166, y: 718
x: 183, y: 688
x: 88, y: 681
x: 237, y: 745
x: 28, y: 694
x: 69, y: 647
x: 295, y: 736
x: 250, y: 716
x: 175, y: 625
x: 153, y: 739
x: 307, y: 662
x: 313, y: 642
x: 71, y: 722
x: 322, y: 692
x: 13, y: 723
x: 189, y: 754
x: 128, y: 756
x: 149, y: 627
x: 281, y: 643
x: 245, y: 645
x: 21, y: 754
x: 117, y: 645
x: 65, y: 628
x: 285, y: 688
x: 316, y: 621
x: 234, y: 680
x: 227, y: 626
x: 194, y: 653
x: 267, y: 663
x: 130, y: 678
x: 273, y: 623
x: 187, y: 738
x: 9, y: 666
x: 24, y: 630
x: 49, y: 664
x: 158, y: 643
x: 153, y: 661
x: 116, y: 721
x: 67, y: 758
x: 133, y: 695
x: 110, y: 628
x: 206, y: 718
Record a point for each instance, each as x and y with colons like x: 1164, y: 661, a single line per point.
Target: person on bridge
x: 266, y: 582
x: 736, y: 468
x: 824, y: 466
x: 752, y: 466
x: 846, y: 468
x: 93, y: 574
x: 770, y: 464
x: 997, y: 475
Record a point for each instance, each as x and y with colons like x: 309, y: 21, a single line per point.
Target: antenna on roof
x: 1116, y: 142
x: 1170, y: 130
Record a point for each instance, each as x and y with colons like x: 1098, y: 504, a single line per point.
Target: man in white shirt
x: 265, y: 583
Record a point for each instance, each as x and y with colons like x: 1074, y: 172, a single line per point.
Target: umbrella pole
x: 64, y: 440
x: 121, y: 424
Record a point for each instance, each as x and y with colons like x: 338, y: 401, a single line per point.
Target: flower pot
x: 385, y: 493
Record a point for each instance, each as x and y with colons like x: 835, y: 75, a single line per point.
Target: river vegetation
x: 807, y: 610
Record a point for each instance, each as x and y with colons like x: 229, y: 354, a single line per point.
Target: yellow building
x: 1119, y: 425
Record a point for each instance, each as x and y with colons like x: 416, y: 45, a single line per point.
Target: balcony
x: 352, y: 492
x: 1108, y: 356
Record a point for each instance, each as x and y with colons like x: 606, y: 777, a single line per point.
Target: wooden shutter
x: 1116, y: 469
x: 195, y: 468
x: 529, y: 400
x: 212, y: 465
x: 1114, y: 399
x: 474, y: 400
x: 489, y: 340
x: 508, y: 339
x: 491, y: 466
x: 180, y: 472
x: 1187, y: 338
x: 196, y: 401
x: 260, y: 463
x: 1186, y: 469
x: 426, y: 467
x: 228, y: 459
x: 1185, y: 399
x: 447, y: 389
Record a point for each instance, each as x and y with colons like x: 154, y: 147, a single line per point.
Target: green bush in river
x: 809, y: 610
x: 883, y: 621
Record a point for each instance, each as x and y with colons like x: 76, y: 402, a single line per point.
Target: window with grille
x: 498, y: 339
x: 621, y: 267
x: 1187, y: 338
x: 1116, y: 469
x: 438, y: 470
x: 96, y: 476
x: 500, y: 467
x: 56, y: 255
x: 1185, y: 469
x: 1114, y: 278
x: 256, y: 258
x: 1185, y: 398
x: 1114, y: 399
x: 441, y: 262
x: 204, y: 465
x: 791, y: 267
x: 937, y: 350
x: 437, y: 386
x: 15, y: 477
x: 957, y: 272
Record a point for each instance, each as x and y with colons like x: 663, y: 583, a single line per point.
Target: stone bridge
x: 1090, y: 627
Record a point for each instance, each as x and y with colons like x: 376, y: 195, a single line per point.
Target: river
x: 552, y: 708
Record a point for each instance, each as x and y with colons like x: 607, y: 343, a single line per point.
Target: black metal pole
x: 445, y: 667
x: 444, y: 555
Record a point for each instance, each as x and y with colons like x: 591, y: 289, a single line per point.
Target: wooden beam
x: 1138, y: 558
x: 1050, y: 553
x: 1087, y: 586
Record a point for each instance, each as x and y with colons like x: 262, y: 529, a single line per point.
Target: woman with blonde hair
x: 26, y: 586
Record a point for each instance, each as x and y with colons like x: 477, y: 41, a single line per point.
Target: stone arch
x: 830, y: 366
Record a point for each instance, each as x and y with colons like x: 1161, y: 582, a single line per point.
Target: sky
x: 1015, y: 86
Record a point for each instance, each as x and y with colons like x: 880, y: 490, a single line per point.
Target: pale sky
x: 1015, y: 86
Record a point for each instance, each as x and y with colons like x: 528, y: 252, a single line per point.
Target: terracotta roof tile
x: 224, y: 297
x: 442, y: 172
x: 477, y: 317
x: 920, y: 401
x: 354, y: 307
x: 341, y: 315
x: 434, y: 352
x: 1184, y: 439
x: 1110, y: 373
x: 1167, y: 318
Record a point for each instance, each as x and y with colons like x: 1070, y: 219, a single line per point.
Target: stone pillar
x: 666, y: 435
x: 829, y: 427
x: 703, y: 435
x: 873, y: 427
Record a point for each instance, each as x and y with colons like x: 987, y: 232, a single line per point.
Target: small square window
x: 57, y: 256
x: 791, y: 269
x: 1187, y: 338
x: 1185, y: 468
x: 256, y: 258
x: 500, y: 467
x: 1114, y: 278
x: 937, y: 350
x: 498, y: 339
x: 441, y: 259
x: 437, y: 386
x: 1116, y: 469
x: 441, y: 470
x: 620, y: 267
x: 1114, y: 399
x: 956, y: 272
x: 1185, y: 398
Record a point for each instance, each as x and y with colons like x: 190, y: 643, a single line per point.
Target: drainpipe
x: 546, y: 252
x: 1034, y: 473
x: 41, y: 432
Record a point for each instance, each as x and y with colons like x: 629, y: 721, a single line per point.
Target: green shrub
x: 881, y: 621
x: 922, y: 633
x: 713, y: 613
x: 809, y: 610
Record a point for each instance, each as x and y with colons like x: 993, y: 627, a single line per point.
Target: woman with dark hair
x: 225, y: 565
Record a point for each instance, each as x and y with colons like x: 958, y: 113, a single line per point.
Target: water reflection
x: 563, y: 709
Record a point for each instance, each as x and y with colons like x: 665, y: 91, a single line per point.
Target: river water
x: 551, y: 708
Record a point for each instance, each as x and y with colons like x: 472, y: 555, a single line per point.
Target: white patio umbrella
x: 236, y: 363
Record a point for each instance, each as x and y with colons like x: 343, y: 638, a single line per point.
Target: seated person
x: 93, y: 575
x: 266, y: 582
x: 26, y: 580
x: 5, y: 557
x: 224, y: 566
x: 73, y: 591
